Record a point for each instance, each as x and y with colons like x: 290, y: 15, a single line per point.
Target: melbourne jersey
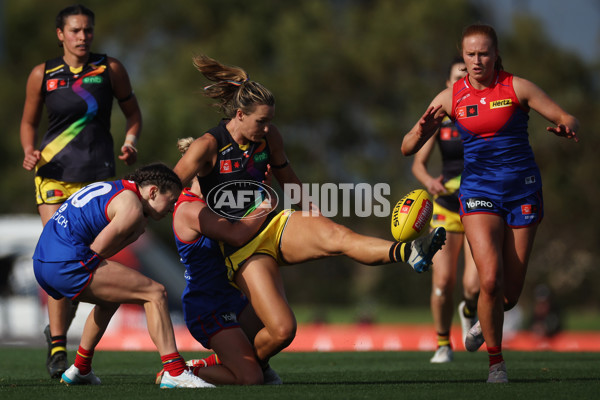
x: 67, y: 236
x: 202, y: 257
x: 451, y: 148
x: 499, y: 162
x: 228, y: 188
x: 78, y: 146
x: 207, y: 289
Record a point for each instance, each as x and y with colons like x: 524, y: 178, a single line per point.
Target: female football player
x: 501, y: 189
x: 445, y: 213
x: 239, y: 150
x: 77, y: 89
x: 71, y: 260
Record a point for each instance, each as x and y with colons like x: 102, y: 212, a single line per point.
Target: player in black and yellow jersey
x: 77, y: 90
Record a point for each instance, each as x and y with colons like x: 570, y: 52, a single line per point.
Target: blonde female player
x: 501, y: 189
x: 236, y: 153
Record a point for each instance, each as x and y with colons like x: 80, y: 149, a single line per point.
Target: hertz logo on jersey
x: 500, y: 103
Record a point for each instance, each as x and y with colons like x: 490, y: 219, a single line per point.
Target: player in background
x: 77, y: 89
x: 72, y: 260
x: 444, y: 188
x: 241, y: 148
x: 501, y: 189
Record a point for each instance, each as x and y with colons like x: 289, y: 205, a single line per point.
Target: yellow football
x: 411, y: 216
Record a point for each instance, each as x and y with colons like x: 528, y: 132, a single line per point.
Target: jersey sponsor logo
x: 477, y: 203
x: 53, y: 84
x: 93, y: 79
x: 467, y: 111
x: 530, y: 180
x: 230, y: 166
x: 482, y: 101
x: 262, y: 156
x: 500, y: 103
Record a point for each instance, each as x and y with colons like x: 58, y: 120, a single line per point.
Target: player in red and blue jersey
x: 71, y: 261
x: 217, y: 314
x: 446, y: 207
x: 500, y: 193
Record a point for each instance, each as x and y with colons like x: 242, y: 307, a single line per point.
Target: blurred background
x: 351, y: 77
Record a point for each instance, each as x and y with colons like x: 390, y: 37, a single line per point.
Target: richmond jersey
x: 77, y: 146
x: 499, y: 162
x: 69, y: 233
x: 239, y: 166
x: 451, y: 148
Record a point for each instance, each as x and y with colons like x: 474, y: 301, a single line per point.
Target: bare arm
x: 129, y: 106
x: 428, y: 124
x: 199, y: 159
x: 286, y: 175
x: 419, y: 169
x: 127, y: 223
x: 531, y: 96
x: 32, y: 114
x: 193, y: 219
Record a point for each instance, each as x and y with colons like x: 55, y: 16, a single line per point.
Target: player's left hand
x: 564, y: 131
x: 128, y: 154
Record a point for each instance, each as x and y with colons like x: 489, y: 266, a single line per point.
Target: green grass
x: 369, y: 375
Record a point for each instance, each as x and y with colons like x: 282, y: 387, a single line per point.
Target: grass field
x: 356, y: 375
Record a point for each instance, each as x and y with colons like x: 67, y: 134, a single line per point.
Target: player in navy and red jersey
x: 500, y: 192
x: 77, y: 89
x: 444, y: 188
x: 239, y: 150
x: 71, y: 261
x: 217, y: 314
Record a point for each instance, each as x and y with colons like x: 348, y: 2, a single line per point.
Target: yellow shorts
x: 266, y: 242
x: 51, y: 191
x: 442, y: 217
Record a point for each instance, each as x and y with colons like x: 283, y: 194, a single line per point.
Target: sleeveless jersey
x: 451, y: 148
x: 78, y: 146
x: 67, y: 236
x: 239, y: 164
x: 499, y: 162
x: 202, y: 257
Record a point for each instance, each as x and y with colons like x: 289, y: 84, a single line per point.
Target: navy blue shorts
x: 207, y: 314
x: 517, y: 213
x: 65, y: 278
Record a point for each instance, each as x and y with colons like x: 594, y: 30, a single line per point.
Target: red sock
x: 495, y: 354
x: 83, y: 360
x: 211, y: 360
x: 173, y: 363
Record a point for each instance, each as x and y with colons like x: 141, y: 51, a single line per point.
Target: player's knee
x: 284, y: 334
x: 490, y: 285
x: 251, y: 377
x: 337, y: 237
x: 157, y: 293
